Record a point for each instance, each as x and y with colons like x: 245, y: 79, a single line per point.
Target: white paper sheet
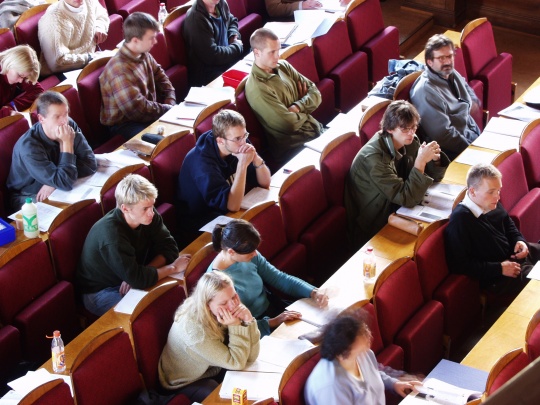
x: 257, y: 195
x: 312, y: 314
x: 207, y: 96
x: 505, y: 126
x: 78, y: 193
x: 472, y: 156
x: 281, y: 352
x: 130, y: 301
x: 121, y: 158
x: 33, y: 379
x: 222, y: 220
x: 491, y: 140
x: 535, y: 272
x: 258, y: 385
x: 520, y: 112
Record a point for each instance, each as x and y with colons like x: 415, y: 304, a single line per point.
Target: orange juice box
x: 239, y: 396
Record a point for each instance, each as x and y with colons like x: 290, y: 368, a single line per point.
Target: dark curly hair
x: 340, y: 334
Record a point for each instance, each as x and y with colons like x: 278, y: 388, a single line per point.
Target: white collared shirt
x: 470, y: 204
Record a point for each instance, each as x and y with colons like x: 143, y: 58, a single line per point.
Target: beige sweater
x: 189, y: 355
x: 66, y: 37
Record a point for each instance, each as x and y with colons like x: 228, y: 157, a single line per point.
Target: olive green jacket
x: 270, y: 95
x: 381, y: 180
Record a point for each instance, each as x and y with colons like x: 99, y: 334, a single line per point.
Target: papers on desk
x: 473, y: 156
x: 520, y: 112
x: 333, y: 6
x: 128, y: 303
x: 183, y: 114
x: 261, y: 378
x: 221, y: 220
x: 33, y: 379
x: 436, y: 204
x: 46, y: 214
x: 535, y: 272
x: 119, y: 158
x: 318, y: 144
x: 209, y: 95
x: 283, y: 30
x: 257, y: 195
x: 450, y: 383
x: 307, y: 24
x: 312, y: 314
x: 140, y: 147
x: 501, y: 134
x: 505, y: 126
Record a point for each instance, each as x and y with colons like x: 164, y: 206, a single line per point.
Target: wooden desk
x: 508, y: 332
x: 532, y: 86
x: 455, y: 36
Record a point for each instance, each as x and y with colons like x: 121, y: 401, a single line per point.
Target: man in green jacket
x: 393, y: 169
x: 281, y: 98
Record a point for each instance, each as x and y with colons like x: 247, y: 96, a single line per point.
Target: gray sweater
x: 446, y: 114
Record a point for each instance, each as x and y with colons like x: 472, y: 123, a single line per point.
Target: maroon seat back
x: 253, y: 126
x: 292, y: 392
x: 26, y: 28
x: 7, y: 40
x: 514, y: 190
x: 55, y: 392
x: 108, y: 200
x: 175, y: 39
x: 10, y: 351
x: 106, y: 373
x: 530, y: 145
x: 150, y: 328
x: 370, y: 122
x: 479, y: 48
x: 336, y: 160
x: 501, y: 373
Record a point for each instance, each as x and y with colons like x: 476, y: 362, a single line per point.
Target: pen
x: 287, y: 171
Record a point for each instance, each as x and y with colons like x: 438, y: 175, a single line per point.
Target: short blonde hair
x: 22, y: 59
x: 481, y: 171
x: 133, y: 189
x: 196, y: 305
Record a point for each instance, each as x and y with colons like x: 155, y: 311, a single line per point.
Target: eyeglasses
x: 238, y: 139
x: 409, y: 129
x: 443, y: 58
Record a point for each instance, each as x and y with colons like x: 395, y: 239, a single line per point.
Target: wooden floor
x: 523, y: 47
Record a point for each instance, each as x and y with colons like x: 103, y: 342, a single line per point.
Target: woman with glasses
x: 19, y: 72
x: 348, y: 373
x: 237, y: 244
x: 212, y: 331
x: 217, y: 172
x: 393, y: 169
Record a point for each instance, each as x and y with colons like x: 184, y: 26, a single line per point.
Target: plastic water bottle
x: 57, y: 351
x: 369, y: 265
x: 30, y: 220
x: 162, y: 13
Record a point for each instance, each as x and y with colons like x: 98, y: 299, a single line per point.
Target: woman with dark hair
x: 237, y: 244
x: 347, y: 372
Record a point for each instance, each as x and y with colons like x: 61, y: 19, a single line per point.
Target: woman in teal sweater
x: 237, y: 244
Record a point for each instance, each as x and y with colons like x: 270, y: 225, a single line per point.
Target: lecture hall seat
x: 406, y: 319
x: 288, y: 257
x: 55, y: 392
x: 529, y: 145
x: 504, y: 369
x: 150, y: 323
x: 291, y: 386
x: 301, y: 57
x: 197, y: 266
x: 532, y: 337
x: 370, y: 123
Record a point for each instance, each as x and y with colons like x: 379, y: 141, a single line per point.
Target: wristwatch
x: 244, y: 323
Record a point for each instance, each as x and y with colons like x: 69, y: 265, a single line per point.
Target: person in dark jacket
x: 481, y: 239
x: 216, y: 172
x: 212, y: 39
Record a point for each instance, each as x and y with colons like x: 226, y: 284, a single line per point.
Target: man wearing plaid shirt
x: 134, y: 88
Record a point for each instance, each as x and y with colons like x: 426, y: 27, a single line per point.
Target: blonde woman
x: 19, y: 72
x: 212, y: 330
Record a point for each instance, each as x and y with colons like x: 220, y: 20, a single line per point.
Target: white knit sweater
x: 66, y: 38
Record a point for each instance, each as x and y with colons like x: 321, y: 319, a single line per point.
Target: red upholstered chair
x: 10, y: 352
x: 150, y: 323
x: 176, y: 73
x: 291, y: 386
x: 301, y: 57
x: 90, y: 98
x: 483, y: 63
x: 55, y: 392
x: 391, y: 355
x: 11, y: 129
x: 403, y: 87
x: 197, y: 266
x: 529, y: 145
x: 26, y: 27
x: 172, y: 4
x: 505, y: 368
x: 335, y: 163
x: 108, y: 201
x: 288, y: 257
x: 7, y: 39
x: 166, y: 161
x: 370, y: 122
x: 459, y: 294
x: 532, y: 337
x: 521, y: 204
x: 32, y: 300
x: 368, y: 34
x: 315, y: 224
x: 480, y: 116
x: 126, y: 7
x: 247, y: 22
x: 105, y: 371
x: 67, y: 234
x: 405, y: 319
x: 348, y: 70
x: 203, y: 122
x: 253, y: 126
x: 172, y: 28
